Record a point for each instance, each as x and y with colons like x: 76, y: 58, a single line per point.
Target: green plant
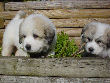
x: 64, y: 46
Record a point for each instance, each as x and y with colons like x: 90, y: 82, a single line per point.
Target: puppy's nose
x: 28, y: 47
x: 91, y: 49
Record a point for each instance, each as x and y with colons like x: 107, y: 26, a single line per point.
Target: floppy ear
x: 84, y: 29
x: 49, y: 35
x: 83, y: 35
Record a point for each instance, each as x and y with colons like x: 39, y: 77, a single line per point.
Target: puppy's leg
x: 20, y: 52
x: 7, y: 50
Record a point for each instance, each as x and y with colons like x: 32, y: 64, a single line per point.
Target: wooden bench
x: 68, y: 16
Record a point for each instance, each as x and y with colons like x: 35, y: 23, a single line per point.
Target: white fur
x: 27, y: 26
x: 30, y: 27
x: 95, y: 46
x: 100, y: 31
x: 11, y: 35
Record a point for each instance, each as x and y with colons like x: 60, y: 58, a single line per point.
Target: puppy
x: 37, y: 36
x: 96, y: 37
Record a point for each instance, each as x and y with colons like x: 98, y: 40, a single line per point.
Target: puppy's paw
x: 20, y: 52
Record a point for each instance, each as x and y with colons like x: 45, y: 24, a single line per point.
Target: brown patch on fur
x: 40, y: 26
x: 44, y: 29
x: 88, y: 31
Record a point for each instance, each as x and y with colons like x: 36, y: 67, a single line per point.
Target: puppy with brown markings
x: 37, y: 36
x: 96, y: 37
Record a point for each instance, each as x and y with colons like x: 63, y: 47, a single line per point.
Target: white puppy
x: 35, y: 35
x: 96, y: 37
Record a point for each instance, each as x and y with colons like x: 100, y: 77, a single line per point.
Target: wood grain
x: 1, y: 6
x: 72, y: 22
x: 72, y: 32
x: 57, y: 4
x: 60, y: 67
x: 1, y: 23
x: 64, y: 13
x: 35, y: 79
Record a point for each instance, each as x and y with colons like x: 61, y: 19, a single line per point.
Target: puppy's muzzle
x: 28, y: 47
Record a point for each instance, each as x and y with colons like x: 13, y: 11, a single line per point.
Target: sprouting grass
x: 64, y: 46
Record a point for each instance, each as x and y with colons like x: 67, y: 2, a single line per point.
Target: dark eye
x: 99, y: 41
x: 23, y: 36
x: 88, y: 39
x: 35, y: 36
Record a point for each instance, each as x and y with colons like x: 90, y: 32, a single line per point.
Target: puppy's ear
x: 49, y: 35
x: 84, y: 29
x: 83, y: 35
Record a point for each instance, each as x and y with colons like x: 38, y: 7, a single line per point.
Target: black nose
x: 28, y: 47
x: 91, y: 49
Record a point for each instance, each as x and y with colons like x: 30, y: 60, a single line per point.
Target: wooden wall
x: 67, y: 15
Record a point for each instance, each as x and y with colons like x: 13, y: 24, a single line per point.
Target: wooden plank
x: 57, y: 4
x: 1, y: 36
x: 78, y: 22
x: 7, y: 14
x: 77, y: 40
x: 73, y: 22
x: 1, y: 6
x: 61, y: 67
x: 65, y: 13
x: 76, y: 13
x: 33, y: 79
x: 72, y: 32
x: 1, y: 22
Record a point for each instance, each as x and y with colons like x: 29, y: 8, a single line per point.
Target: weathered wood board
x: 57, y: 4
x: 61, y: 67
x: 72, y: 32
x: 64, y: 13
x: 1, y: 6
x: 73, y: 22
x: 29, y: 79
x: 2, y: 23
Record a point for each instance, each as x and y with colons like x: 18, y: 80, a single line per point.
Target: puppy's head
x: 36, y: 33
x: 96, y: 37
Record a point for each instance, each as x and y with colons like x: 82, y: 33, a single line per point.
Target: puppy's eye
x: 24, y: 36
x: 99, y: 41
x: 35, y: 36
x: 88, y: 39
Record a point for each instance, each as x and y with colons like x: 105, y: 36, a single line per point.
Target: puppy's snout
x: 91, y: 49
x: 28, y: 47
